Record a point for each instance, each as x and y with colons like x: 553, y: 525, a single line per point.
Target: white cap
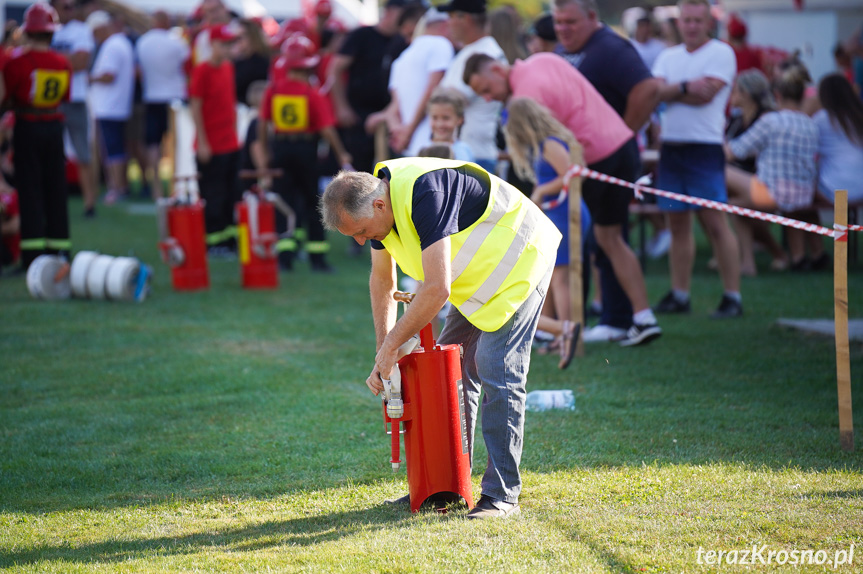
x: 433, y: 15
x: 98, y: 19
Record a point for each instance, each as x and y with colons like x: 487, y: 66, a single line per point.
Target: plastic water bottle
x: 538, y: 401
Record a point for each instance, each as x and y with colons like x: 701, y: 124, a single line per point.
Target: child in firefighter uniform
x: 298, y: 115
x: 37, y: 81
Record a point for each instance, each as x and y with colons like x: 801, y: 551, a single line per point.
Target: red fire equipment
x: 433, y: 421
x: 257, y: 237
x: 182, y: 237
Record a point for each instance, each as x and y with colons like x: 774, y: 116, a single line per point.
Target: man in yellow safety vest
x: 473, y: 240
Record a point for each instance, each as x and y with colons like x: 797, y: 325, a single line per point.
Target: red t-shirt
x: 37, y: 80
x: 214, y: 86
x: 748, y: 58
x: 296, y: 107
x: 9, y: 202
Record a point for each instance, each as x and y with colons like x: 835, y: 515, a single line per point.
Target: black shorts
x: 156, y: 123
x: 609, y: 203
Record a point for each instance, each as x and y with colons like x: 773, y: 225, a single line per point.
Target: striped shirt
x: 785, y: 144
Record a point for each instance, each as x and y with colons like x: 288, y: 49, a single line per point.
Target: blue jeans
x: 497, y: 363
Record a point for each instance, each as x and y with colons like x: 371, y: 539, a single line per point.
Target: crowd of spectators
x: 327, y: 97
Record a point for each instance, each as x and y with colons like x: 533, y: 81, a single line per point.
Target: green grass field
x: 231, y: 431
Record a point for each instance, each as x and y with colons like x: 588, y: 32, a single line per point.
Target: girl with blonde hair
x: 542, y: 151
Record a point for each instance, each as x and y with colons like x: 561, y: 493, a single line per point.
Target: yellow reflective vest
x: 496, y: 263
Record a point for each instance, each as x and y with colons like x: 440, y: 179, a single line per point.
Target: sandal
x: 568, y: 342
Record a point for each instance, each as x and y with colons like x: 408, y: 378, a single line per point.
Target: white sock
x: 644, y: 317
x: 734, y: 295
x: 681, y: 296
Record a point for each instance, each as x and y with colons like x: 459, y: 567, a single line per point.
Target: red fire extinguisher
x: 257, y: 236
x: 182, y: 236
x: 431, y: 414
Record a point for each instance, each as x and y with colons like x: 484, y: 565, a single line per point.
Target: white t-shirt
x: 72, y: 37
x: 649, y: 50
x: 409, y: 78
x: 840, y: 160
x: 113, y: 101
x: 480, y: 117
x: 161, y: 55
x: 684, y: 123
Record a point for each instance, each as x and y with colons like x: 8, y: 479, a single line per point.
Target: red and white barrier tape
x: 838, y: 233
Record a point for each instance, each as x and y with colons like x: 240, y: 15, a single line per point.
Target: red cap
x: 324, y: 8
x: 298, y: 52
x: 222, y: 33
x: 40, y: 18
x: 736, y: 27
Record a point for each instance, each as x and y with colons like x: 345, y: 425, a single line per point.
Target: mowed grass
x: 231, y: 431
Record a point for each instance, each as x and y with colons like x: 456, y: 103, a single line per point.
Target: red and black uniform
x: 214, y: 85
x: 298, y: 113
x: 36, y: 83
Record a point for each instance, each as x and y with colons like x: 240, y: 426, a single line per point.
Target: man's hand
x: 400, y: 138
x: 374, y: 382
x: 205, y: 154
x: 385, y: 360
x: 703, y: 90
x: 346, y: 117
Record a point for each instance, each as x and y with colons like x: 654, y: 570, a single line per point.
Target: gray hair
x: 705, y: 3
x: 351, y: 194
x: 755, y: 84
x: 585, y: 5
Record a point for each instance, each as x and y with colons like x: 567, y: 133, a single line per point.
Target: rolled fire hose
x: 48, y: 279
x: 96, y: 276
x: 78, y: 274
x: 121, y: 282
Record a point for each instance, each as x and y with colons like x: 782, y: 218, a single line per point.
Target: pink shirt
x: 572, y: 99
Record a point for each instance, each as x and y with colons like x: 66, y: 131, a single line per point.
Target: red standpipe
x: 256, y: 223
x: 187, y: 233
x: 435, y: 427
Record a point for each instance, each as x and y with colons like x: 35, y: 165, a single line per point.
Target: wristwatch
x: 684, y: 88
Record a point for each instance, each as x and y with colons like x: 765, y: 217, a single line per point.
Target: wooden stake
x: 382, y: 148
x: 576, y: 289
x: 840, y: 294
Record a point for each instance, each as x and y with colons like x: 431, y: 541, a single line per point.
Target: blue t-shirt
x: 611, y: 64
x: 559, y: 214
x: 446, y: 201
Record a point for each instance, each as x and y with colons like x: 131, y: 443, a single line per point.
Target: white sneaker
x: 659, y: 245
x: 603, y: 334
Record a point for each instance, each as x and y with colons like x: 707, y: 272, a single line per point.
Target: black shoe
x: 286, y: 261
x: 671, y: 304
x: 487, y: 507
x: 821, y: 263
x: 728, y: 307
x: 90, y: 213
x: 319, y: 264
x: 221, y: 252
x: 323, y: 268
x: 641, y: 334
x: 802, y: 265
x: 16, y: 271
x: 401, y: 501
